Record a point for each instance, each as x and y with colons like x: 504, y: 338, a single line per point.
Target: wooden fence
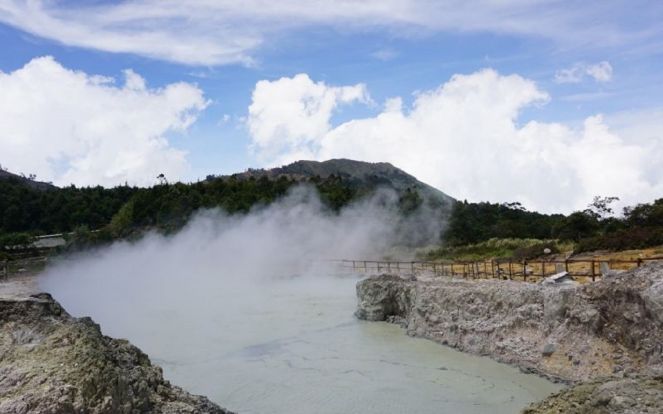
x: 526, y: 270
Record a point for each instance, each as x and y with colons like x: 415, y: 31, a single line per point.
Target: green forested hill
x: 363, y: 176
x: 28, y: 207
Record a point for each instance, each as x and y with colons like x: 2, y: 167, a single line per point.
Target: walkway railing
x: 527, y: 270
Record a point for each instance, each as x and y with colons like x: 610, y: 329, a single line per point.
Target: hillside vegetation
x: 484, y: 230
x: 28, y: 208
x: 472, y: 230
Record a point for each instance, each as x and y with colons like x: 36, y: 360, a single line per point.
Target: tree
x: 121, y: 222
x: 645, y: 215
x: 576, y: 226
x: 600, y: 207
x: 515, y: 206
x: 410, y: 201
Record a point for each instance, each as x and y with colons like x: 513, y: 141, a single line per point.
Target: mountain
x: 37, y: 185
x: 28, y: 206
x: 362, y: 175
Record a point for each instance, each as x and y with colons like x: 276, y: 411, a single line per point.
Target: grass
x: 496, y: 249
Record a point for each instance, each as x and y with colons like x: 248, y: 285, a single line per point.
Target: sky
x: 544, y: 102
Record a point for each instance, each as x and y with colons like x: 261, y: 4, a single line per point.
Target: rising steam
x: 242, y: 308
x: 220, y: 257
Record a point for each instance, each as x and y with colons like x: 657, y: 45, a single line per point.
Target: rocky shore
x: 51, y: 362
x: 604, y: 337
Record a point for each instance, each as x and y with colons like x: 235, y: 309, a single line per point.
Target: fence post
x: 510, y: 271
x: 566, y: 265
x: 524, y: 269
x: 492, y: 267
x: 593, y: 272
x: 365, y: 267
x: 639, y: 262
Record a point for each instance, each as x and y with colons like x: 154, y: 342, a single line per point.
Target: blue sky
x: 602, y: 59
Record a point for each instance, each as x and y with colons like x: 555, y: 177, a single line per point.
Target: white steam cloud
x: 216, y: 252
x: 243, y: 309
x: 209, y: 301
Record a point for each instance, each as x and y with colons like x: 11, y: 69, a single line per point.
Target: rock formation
x: 611, y: 329
x: 51, y: 362
x: 606, y: 396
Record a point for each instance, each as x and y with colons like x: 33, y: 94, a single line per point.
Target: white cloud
x: 600, y: 72
x: 573, y: 74
x: 295, y: 112
x: 465, y: 138
x: 385, y: 54
x: 70, y: 127
x: 207, y: 32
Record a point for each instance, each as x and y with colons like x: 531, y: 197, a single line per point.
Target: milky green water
x: 294, y: 346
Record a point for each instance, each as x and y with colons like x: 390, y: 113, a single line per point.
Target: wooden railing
x: 527, y: 270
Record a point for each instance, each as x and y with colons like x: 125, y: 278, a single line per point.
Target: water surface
x: 293, y: 346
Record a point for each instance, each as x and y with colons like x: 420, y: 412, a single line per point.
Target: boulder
x: 51, y: 362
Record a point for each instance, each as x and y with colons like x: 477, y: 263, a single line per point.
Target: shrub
x: 535, y: 250
x: 16, y: 240
x: 626, y: 239
x: 497, y: 248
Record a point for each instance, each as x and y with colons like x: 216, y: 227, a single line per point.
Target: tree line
x: 124, y: 211
x: 594, y: 228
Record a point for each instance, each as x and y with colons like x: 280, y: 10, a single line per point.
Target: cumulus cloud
x: 465, y: 138
x: 228, y: 31
x: 294, y: 112
x: 71, y: 127
x: 600, y: 72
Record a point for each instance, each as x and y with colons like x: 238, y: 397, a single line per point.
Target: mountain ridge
x: 362, y: 174
x: 39, y: 185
